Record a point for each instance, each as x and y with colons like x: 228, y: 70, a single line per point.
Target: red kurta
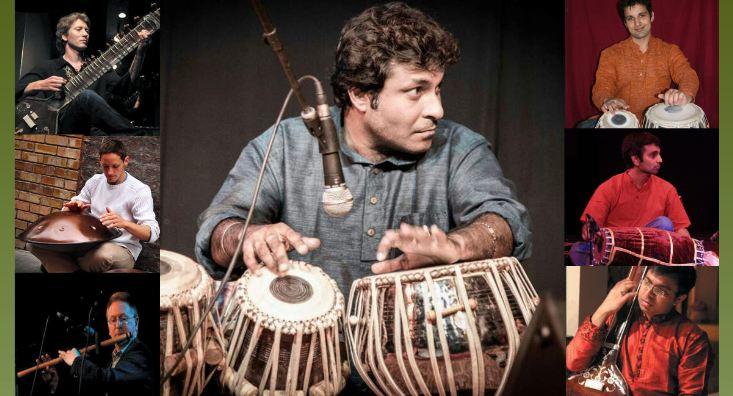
x: 618, y: 203
x: 668, y: 355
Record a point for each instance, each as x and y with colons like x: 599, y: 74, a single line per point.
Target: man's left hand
x: 421, y: 246
x: 144, y: 37
x: 112, y: 220
x: 674, y: 97
x: 69, y: 356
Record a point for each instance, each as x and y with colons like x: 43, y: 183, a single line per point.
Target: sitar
x: 41, y: 115
x: 604, y: 377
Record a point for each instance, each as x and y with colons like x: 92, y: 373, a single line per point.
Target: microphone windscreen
x: 337, y: 201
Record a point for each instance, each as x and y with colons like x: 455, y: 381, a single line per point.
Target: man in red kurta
x: 662, y: 353
x: 639, y: 71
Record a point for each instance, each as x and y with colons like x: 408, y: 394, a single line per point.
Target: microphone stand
x: 86, y: 343
x: 40, y: 353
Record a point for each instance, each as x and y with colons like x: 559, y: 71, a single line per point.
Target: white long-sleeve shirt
x: 131, y: 200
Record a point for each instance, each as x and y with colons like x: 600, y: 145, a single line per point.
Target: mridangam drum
x: 185, y: 291
x: 618, y: 119
x: 283, y: 334
x: 686, y: 116
x: 440, y: 329
x: 646, y: 246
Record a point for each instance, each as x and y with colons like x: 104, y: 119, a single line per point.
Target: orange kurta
x: 618, y: 203
x: 668, y: 355
x: 637, y: 78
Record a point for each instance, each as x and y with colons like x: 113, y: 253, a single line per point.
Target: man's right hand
x: 49, y: 374
x: 620, y: 294
x: 614, y: 104
x: 268, y: 244
x: 76, y: 206
x: 53, y: 83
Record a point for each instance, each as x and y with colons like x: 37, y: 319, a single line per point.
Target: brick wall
x: 46, y: 175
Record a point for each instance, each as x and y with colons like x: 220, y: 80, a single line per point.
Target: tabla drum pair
x: 689, y: 115
x: 185, y: 291
x: 645, y: 246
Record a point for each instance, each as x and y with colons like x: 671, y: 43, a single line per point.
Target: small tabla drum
x: 439, y: 330
x: 618, y: 119
x: 645, y: 246
x: 283, y: 334
x: 185, y: 291
x: 686, y: 116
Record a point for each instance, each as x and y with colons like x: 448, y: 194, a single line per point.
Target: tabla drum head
x: 685, y: 116
x: 618, y: 119
x: 303, y: 294
x: 68, y: 231
x: 178, y: 274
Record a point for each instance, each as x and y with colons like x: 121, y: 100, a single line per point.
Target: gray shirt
x: 457, y: 180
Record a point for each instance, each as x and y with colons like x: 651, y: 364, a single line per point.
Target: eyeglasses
x: 123, y: 319
x: 658, y: 291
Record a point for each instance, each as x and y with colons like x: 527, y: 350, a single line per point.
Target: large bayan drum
x: 185, y: 291
x: 283, y: 334
x: 686, y: 116
x: 439, y: 330
x: 646, y: 246
x: 618, y: 119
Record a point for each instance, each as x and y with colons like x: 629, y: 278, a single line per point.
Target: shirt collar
x: 354, y: 157
x: 661, y: 318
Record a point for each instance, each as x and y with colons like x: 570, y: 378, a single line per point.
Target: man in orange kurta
x: 638, y: 72
x: 662, y: 353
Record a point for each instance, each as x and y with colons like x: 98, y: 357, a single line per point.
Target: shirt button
x: 375, y: 171
x: 371, y: 232
x: 373, y: 200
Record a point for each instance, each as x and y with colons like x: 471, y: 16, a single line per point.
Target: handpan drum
x: 185, y: 291
x: 645, y: 246
x: 68, y: 232
x: 283, y: 334
x: 618, y: 119
x: 686, y: 116
x: 439, y: 330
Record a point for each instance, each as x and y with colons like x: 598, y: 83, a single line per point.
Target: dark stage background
x: 222, y: 86
x: 690, y: 163
x: 591, y: 26
x: 39, y: 296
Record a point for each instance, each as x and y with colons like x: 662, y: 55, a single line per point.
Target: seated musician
x: 131, y: 370
x: 91, y: 107
x: 119, y: 200
x: 638, y: 72
x: 662, y: 351
x: 429, y: 187
x: 637, y: 197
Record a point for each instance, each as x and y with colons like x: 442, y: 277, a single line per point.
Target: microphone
x: 84, y: 329
x: 337, y: 199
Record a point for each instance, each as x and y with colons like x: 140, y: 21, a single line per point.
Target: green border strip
x: 7, y: 200
x: 726, y: 193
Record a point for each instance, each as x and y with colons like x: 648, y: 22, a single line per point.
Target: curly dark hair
x: 64, y: 24
x: 623, y: 4
x: 633, y: 145
x: 373, y: 40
